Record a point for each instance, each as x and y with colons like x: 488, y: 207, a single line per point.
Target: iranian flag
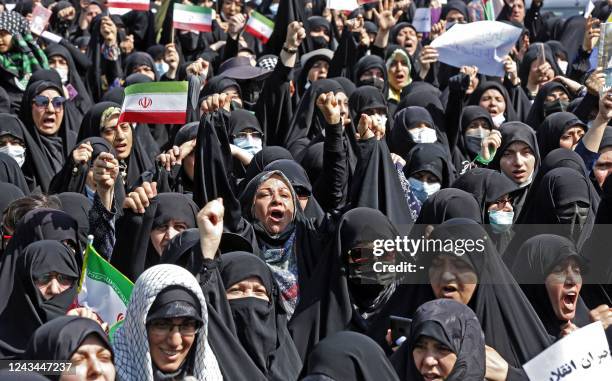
x: 155, y: 102
x: 136, y: 5
x: 260, y: 26
x: 192, y: 18
x: 489, y: 10
x: 102, y: 288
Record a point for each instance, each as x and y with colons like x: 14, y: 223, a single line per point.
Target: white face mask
x: 563, y: 66
x: 63, y: 73
x: 500, y: 221
x: 274, y: 8
x: 421, y: 189
x: 423, y: 135
x: 498, y: 119
x: 380, y: 120
x: 252, y: 145
x: 16, y: 152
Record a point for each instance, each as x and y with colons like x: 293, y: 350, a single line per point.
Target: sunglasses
x: 43, y: 102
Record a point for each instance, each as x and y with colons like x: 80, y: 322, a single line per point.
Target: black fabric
x: 432, y: 158
x: 553, y: 127
x: 532, y: 55
x: 509, y: 323
x: 536, y: 113
x: 446, y: 204
x: 8, y: 194
x: 23, y: 305
x: 261, y: 325
x: 54, y: 149
x: 400, y: 140
x: 58, y: 339
x: 330, y: 303
x: 452, y: 324
x: 510, y: 113
x: 137, y: 59
x: 77, y: 206
x: 262, y: 158
x: 10, y: 172
x: 350, y: 356
x: 535, y: 261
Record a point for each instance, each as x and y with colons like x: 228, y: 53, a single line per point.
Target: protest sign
x: 422, y: 20
x: 342, y: 5
x: 40, y: 19
x: 588, y: 9
x: 582, y: 355
x: 604, y: 58
x: 482, y: 43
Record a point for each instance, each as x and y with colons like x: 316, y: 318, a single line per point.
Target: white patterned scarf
x: 131, y: 346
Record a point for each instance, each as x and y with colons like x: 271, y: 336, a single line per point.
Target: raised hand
x: 139, y: 199
x: 210, y: 225
x: 384, y: 15
x: 330, y: 108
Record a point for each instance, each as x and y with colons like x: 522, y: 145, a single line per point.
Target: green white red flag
x: 259, y: 26
x: 136, y: 5
x: 155, y: 102
x: 192, y: 18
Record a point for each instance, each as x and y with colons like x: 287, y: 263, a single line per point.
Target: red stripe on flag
x: 134, y: 6
x: 256, y: 34
x: 155, y: 117
x: 187, y: 26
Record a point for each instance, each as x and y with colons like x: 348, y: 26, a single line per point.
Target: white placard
x: 51, y: 36
x: 582, y: 355
x: 481, y: 43
x: 422, y: 20
x: 588, y: 9
x: 342, y: 5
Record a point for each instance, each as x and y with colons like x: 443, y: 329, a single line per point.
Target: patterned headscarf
x: 131, y: 346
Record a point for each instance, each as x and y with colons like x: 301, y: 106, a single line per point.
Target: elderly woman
x: 446, y: 343
x: 148, y: 347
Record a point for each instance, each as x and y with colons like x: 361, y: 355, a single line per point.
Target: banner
x: 582, y: 355
x: 481, y: 43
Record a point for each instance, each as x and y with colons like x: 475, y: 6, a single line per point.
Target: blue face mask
x: 161, y: 68
x: 500, y: 221
x: 421, y: 189
x: 252, y: 145
x: 273, y: 8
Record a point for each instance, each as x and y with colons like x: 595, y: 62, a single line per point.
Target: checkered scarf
x: 132, y: 356
x: 25, y: 56
x: 268, y: 62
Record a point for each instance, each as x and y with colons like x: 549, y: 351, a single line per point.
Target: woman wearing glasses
x: 165, y: 332
x: 42, y: 113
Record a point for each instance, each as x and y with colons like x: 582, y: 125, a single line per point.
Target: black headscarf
x: 261, y: 325
x: 453, y: 325
x: 536, y: 259
x: 446, y: 204
x: 139, y: 160
x: 58, y: 339
x: 431, y: 158
x: 400, y: 140
x: 333, y: 302
x: 262, y: 158
x: 370, y: 62
x: 553, y: 127
x: 532, y: 55
x: 8, y: 194
x: 57, y: 147
x: 349, y: 356
x: 474, y: 100
x: 536, y: 113
x: 470, y: 114
x: 23, y: 304
x: 77, y: 206
x: 509, y: 323
x: 10, y: 172
x: 137, y: 59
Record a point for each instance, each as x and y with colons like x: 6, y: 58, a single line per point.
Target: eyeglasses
x: 503, y: 201
x: 43, y: 102
x: 163, y: 327
x: 62, y: 279
x: 366, y: 254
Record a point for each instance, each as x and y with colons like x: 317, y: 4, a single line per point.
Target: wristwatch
x: 288, y: 50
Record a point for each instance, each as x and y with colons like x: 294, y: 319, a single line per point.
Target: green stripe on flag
x: 262, y: 19
x: 157, y: 87
x: 192, y: 8
x: 99, y: 269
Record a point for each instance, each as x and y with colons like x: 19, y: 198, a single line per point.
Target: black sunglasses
x: 43, y: 101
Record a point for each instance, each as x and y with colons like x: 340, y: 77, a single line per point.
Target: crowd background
x: 251, y: 228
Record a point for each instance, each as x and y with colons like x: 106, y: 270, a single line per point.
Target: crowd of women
x: 252, y: 228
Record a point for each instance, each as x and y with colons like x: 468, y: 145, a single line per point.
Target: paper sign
x: 582, y: 355
x: 604, y: 58
x: 51, y: 37
x: 482, y: 43
x: 342, y: 5
x: 588, y: 9
x: 422, y: 20
x: 40, y: 19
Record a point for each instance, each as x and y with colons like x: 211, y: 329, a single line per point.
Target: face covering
x: 473, y: 139
x: 252, y: 146
x: 421, y: 189
x: 555, y: 106
x: 273, y: 8
x: 256, y: 327
x: 16, y: 152
x: 365, y: 284
x: 319, y: 42
x: 574, y: 217
x: 161, y: 68
x: 498, y: 120
x: 63, y: 73
x: 379, y: 83
x: 423, y: 135
x: 563, y: 66
x: 500, y: 221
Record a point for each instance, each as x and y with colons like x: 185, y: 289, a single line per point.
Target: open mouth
x: 399, y: 77
x: 431, y: 377
x: 49, y: 121
x: 120, y: 147
x: 569, y: 300
x: 276, y: 215
x: 449, y: 290
x: 171, y: 355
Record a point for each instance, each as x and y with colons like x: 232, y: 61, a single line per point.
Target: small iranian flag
x: 102, y: 288
x: 155, y: 102
x: 260, y: 26
x: 136, y: 5
x: 489, y: 10
x: 192, y: 18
